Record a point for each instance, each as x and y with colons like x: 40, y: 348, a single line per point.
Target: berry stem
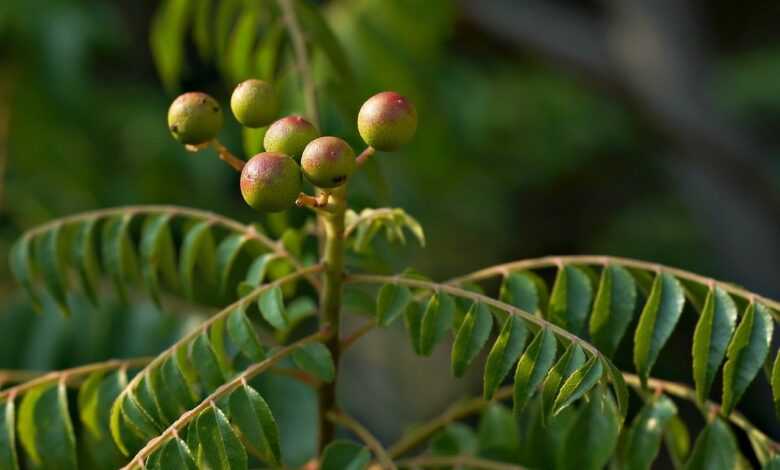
x: 332, y: 279
x: 319, y: 202
x: 227, y: 156
x: 365, y: 155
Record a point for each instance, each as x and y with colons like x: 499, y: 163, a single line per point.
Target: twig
x: 209, y: 216
x: 364, y: 156
x: 551, y: 261
x: 457, y: 461
x: 68, y: 374
x: 302, y: 60
x: 365, y: 435
x: 227, y: 156
x: 351, y: 338
x: 224, y: 390
x: 458, y: 292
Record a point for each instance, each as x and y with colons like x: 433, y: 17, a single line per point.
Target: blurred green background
x: 648, y: 129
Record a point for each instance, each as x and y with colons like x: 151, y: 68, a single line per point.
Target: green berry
x: 271, y: 182
x: 289, y: 135
x: 328, y: 162
x: 194, y: 118
x: 254, y: 103
x: 387, y: 121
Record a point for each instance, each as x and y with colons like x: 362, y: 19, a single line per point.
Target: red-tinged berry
x: 289, y: 135
x: 387, y: 121
x: 328, y: 162
x: 271, y: 182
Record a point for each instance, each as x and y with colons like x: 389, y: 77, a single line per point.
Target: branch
x: 549, y: 261
x: 205, y: 325
x: 558, y: 331
x: 365, y: 435
x: 472, y: 406
x: 457, y: 461
x: 455, y: 412
x: 179, y: 211
x: 68, y: 374
x: 301, y: 57
x: 139, y: 459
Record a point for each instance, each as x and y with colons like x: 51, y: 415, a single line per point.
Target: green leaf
x: 775, y: 382
x: 242, y: 333
x: 578, y: 384
x: 119, y: 259
x: 391, y: 302
x: 85, y: 259
x: 525, y: 290
x: 503, y: 354
x: 455, y: 439
x: 497, y: 432
x: 643, y: 440
x: 201, y: 31
x: 198, y: 248
x: 413, y: 321
x: 657, y: 321
x: 436, y: 321
x: 618, y: 386
x: 227, y: 252
x: 45, y: 428
x: 254, y: 419
x: 158, y: 255
x: 241, y: 45
x: 268, y: 51
x: 570, y: 299
x: 52, y: 260
x: 271, y: 304
x: 313, y: 22
x: 715, y: 448
x: 613, y: 308
x: 175, y: 455
x: 472, y: 335
x: 710, y: 339
x: 592, y: 439
x: 8, y: 458
x: 678, y: 441
x: 345, y: 455
x: 256, y: 273
x: 22, y: 268
x: 772, y: 464
x: 176, y: 384
x: 138, y: 418
x: 571, y: 360
x: 205, y: 361
x: 315, y: 359
x: 168, y: 29
x: 746, y: 354
x: 532, y: 367
x: 220, y: 447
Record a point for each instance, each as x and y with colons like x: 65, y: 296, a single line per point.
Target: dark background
x: 639, y: 128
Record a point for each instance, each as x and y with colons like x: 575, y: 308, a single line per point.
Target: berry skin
x: 289, y: 135
x: 271, y: 182
x: 194, y: 118
x: 387, y: 121
x: 254, y: 103
x: 328, y: 162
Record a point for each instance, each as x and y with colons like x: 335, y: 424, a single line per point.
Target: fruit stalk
x: 332, y: 278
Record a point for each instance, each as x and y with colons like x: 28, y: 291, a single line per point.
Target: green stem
x: 332, y: 279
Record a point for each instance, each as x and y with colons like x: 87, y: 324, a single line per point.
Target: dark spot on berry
x: 339, y: 179
x: 215, y: 109
x: 203, y: 101
x: 174, y: 129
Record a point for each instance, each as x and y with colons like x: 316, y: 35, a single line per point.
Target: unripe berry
x: 254, y: 103
x: 289, y: 135
x: 387, y: 121
x: 328, y: 162
x: 194, y: 118
x: 271, y: 182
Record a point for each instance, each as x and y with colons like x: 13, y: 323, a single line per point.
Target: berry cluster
x: 272, y: 181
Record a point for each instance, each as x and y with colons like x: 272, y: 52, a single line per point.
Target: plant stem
x: 332, y: 280
x: 365, y: 435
